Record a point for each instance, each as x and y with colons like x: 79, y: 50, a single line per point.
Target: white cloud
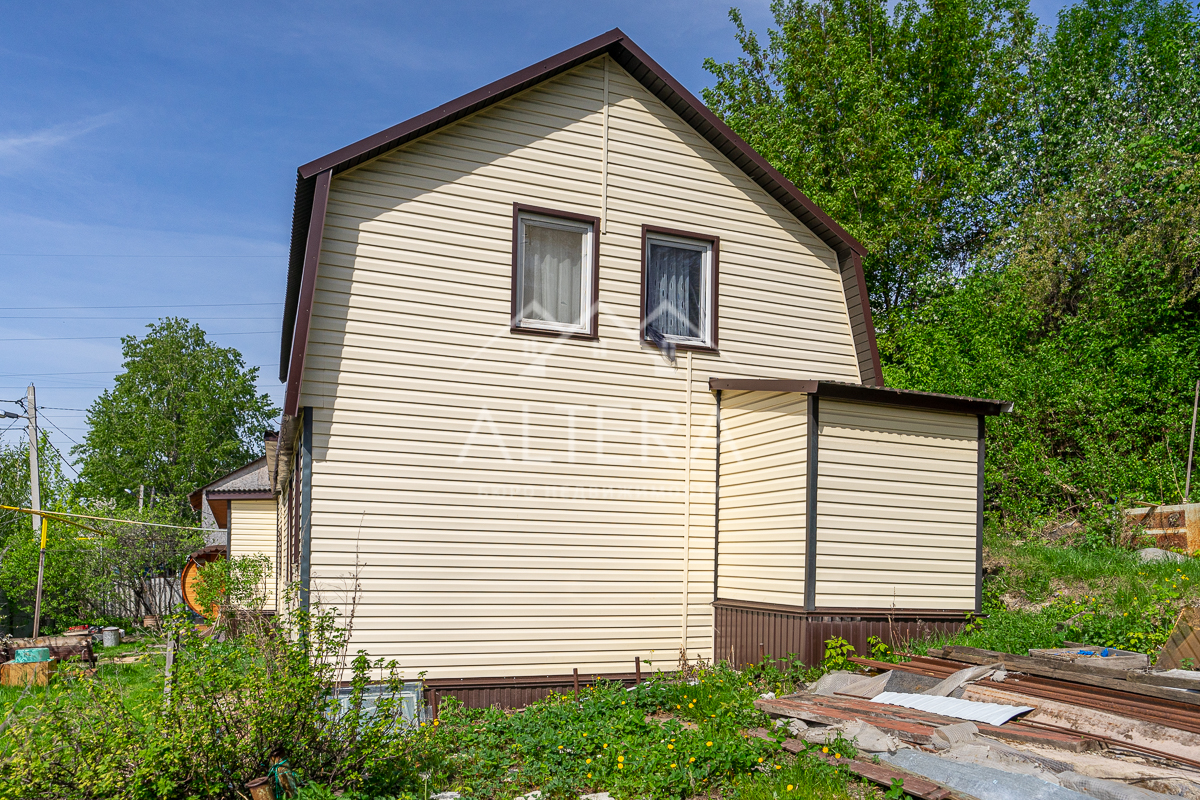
x: 20, y: 149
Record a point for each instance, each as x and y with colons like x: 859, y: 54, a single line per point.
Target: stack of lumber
x: 1082, y: 707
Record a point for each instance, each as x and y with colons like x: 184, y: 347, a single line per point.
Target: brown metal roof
x: 312, y: 180
x: 866, y: 394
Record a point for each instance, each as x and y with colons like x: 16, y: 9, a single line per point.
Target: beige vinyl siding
x: 762, y: 521
x: 253, y: 531
x: 514, y: 505
x: 896, y: 495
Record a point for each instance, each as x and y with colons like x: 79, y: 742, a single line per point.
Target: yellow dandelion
x: 435, y: 722
x: 620, y: 766
x: 585, y: 736
x: 824, y: 749
x: 620, y: 758
x: 670, y: 747
x: 691, y: 705
x: 779, y: 767
x: 760, y: 761
x: 790, y: 787
x: 605, y: 747
x: 589, y: 774
x: 588, y: 761
x: 708, y: 744
x: 622, y: 702
x: 560, y: 747
x: 690, y: 760
x: 672, y: 766
x: 422, y: 724
x: 835, y: 755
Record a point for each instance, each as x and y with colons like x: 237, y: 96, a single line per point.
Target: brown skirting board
x: 744, y: 633
x: 511, y: 692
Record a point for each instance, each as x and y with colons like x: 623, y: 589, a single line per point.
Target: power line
x: 72, y: 316
x: 156, y: 305
x: 120, y: 255
x: 81, y: 338
x: 60, y: 430
x: 93, y: 372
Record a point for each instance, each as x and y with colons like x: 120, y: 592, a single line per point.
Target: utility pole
x: 35, y: 500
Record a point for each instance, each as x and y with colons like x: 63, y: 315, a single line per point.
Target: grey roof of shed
x: 251, y: 478
x: 631, y: 58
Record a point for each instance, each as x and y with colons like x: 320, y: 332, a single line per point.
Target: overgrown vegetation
x: 1046, y: 594
x: 1032, y: 206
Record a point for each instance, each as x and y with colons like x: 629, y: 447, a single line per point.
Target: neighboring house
x: 242, y: 506
x: 515, y: 327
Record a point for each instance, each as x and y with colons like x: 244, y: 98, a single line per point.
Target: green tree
x: 888, y: 122
x: 183, y: 412
x: 1091, y: 327
x: 68, y: 574
x: 1112, y: 74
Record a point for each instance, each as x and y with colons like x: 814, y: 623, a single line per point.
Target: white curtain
x: 674, y: 290
x: 552, y: 274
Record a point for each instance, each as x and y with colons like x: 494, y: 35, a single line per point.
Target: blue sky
x: 148, y: 151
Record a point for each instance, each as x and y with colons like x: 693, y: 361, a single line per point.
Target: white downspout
x: 687, y: 496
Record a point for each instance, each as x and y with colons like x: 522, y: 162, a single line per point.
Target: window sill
x: 688, y: 347
x: 584, y: 335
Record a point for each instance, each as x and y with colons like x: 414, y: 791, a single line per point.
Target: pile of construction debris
x: 1074, y: 723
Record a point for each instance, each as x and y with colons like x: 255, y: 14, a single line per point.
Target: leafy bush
x: 226, y: 711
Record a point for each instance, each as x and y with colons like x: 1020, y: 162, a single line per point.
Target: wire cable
x: 104, y: 519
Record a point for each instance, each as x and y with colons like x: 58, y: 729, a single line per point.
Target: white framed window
x: 679, y: 276
x: 554, y: 272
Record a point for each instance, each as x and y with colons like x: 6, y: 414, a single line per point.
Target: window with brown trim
x: 555, y: 276
x: 679, y: 287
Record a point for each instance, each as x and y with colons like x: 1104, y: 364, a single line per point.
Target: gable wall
x: 514, y: 505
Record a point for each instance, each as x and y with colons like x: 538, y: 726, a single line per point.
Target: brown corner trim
x: 593, y: 325
x: 812, y: 432
x: 865, y: 394
x: 308, y: 287
x: 979, y: 516
x: 714, y: 293
x: 899, y: 613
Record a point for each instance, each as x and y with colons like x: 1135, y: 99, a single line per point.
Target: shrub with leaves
x: 227, y: 710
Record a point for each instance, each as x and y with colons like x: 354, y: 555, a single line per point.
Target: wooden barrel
x: 191, y: 574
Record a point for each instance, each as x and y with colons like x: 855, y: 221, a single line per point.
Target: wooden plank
x: 1170, y: 681
x: 910, y: 732
x: 39, y: 672
x: 1092, y: 722
x: 880, y: 774
x: 1183, y: 643
x: 1077, y: 673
